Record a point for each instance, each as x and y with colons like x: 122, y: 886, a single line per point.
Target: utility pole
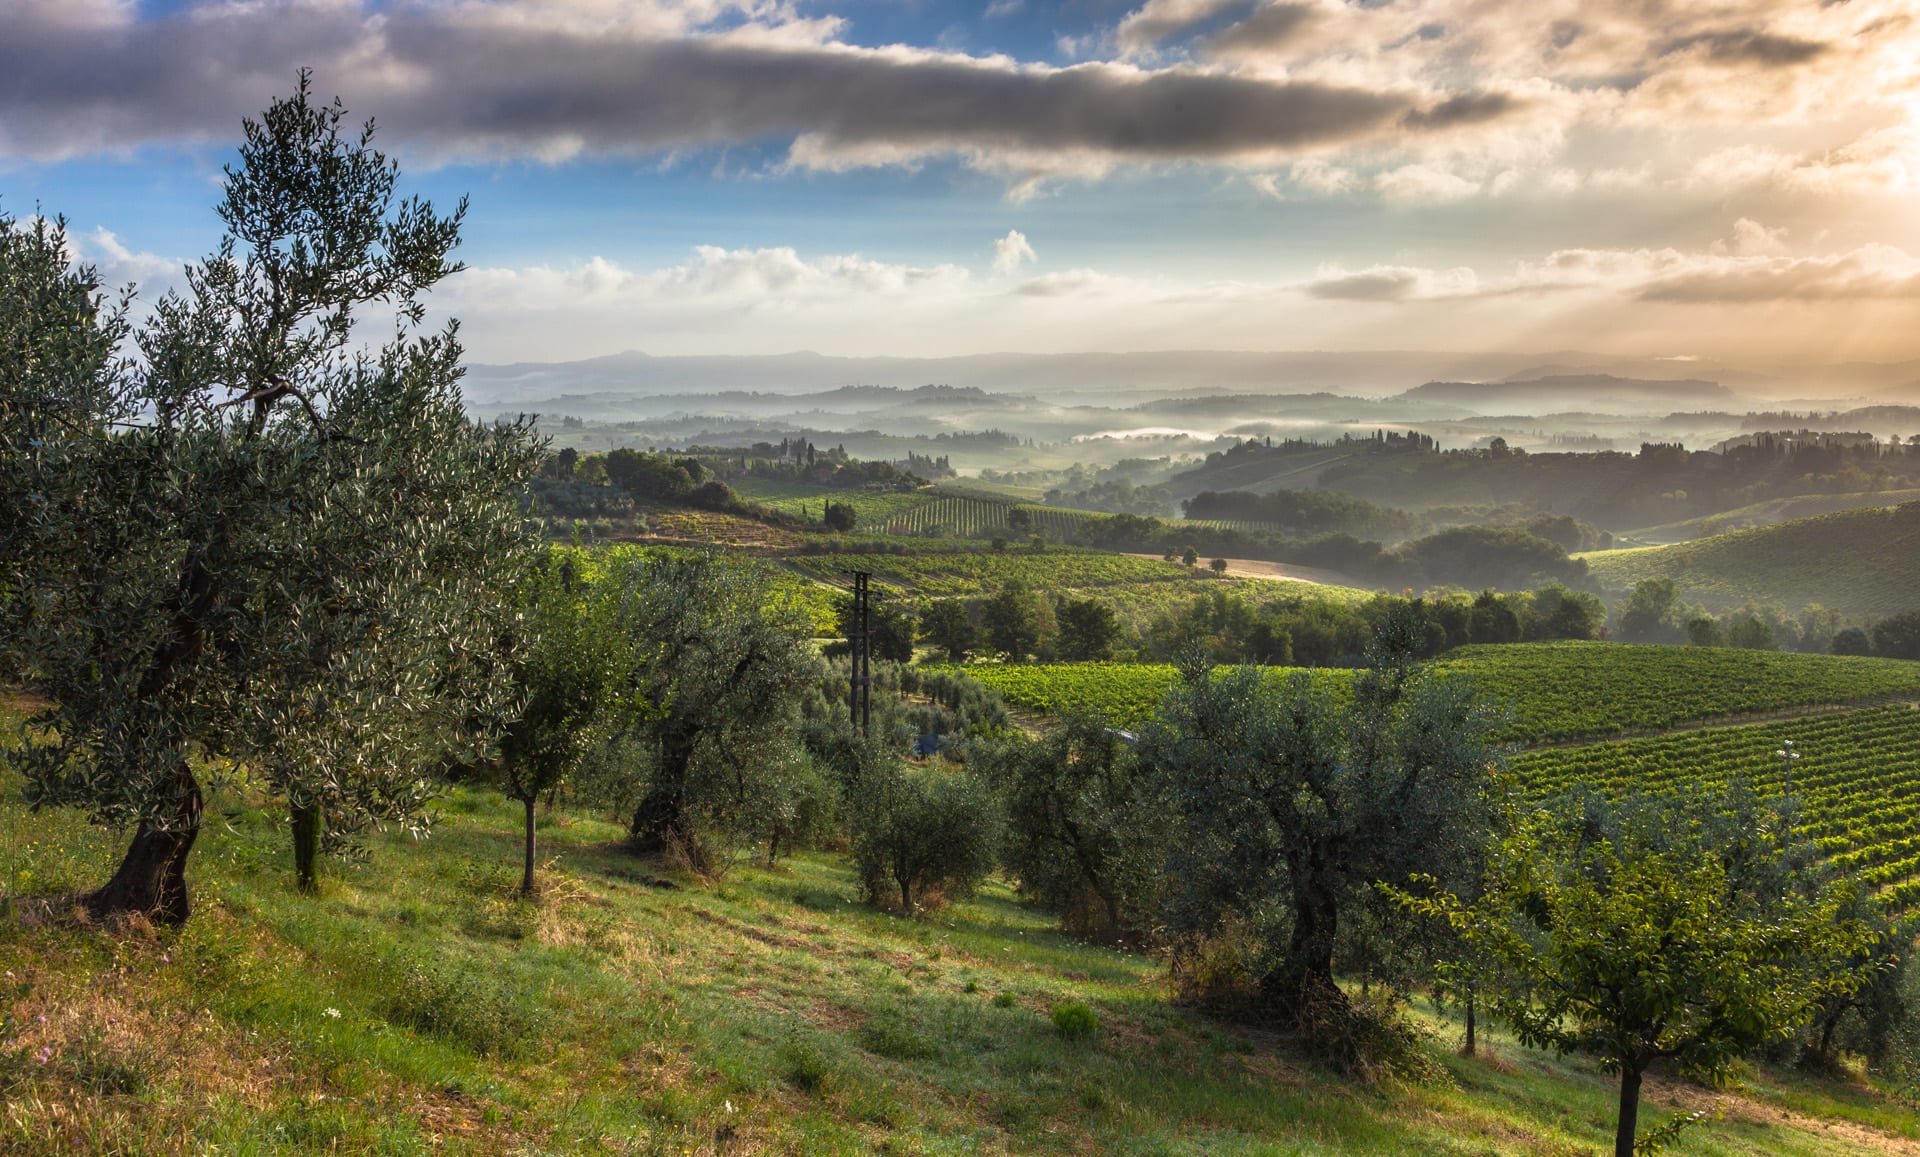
x: 860, y: 706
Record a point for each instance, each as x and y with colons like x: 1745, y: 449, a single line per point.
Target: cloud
x: 1156, y: 20
x: 518, y: 80
x: 1011, y: 251
x: 1265, y: 30
x: 1747, y: 46
x: 1391, y: 283
x: 1424, y: 183
x: 117, y: 265
x: 1751, y: 239
x: 1722, y: 296
x: 1750, y: 267
x: 1003, y: 8
x: 1871, y: 272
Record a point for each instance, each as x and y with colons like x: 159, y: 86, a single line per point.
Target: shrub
x: 1075, y: 1021
x: 808, y: 1068
x: 455, y: 1004
x: 922, y: 835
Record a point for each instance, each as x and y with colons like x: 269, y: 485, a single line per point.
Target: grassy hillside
x: 1859, y: 562
x: 1767, y: 513
x: 416, y: 1008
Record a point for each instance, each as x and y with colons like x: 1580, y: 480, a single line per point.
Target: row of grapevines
x: 1560, y: 691
x: 975, y: 572
x: 1856, y: 782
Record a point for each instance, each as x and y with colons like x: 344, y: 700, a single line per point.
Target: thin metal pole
x: 862, y: 672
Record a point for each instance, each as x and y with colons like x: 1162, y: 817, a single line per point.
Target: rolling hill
x: 1859, y: 562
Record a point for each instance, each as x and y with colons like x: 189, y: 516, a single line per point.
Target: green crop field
x: 872, y: 509
x: 1856, y: 782
x: 1859, y: 562
x: 981, y: 571
x: 1138, y: 589
x: 1552, y: 691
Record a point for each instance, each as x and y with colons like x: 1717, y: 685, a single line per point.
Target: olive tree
x: 1294, y: 797
x: 1659, y: 929
x: 567, y: 693
x: 720, y: 667
x: 266, y: 541
x: 1084, y: 835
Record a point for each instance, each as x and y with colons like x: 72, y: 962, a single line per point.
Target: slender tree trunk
x: 1468, y: 1049
x: 1629, y: 1109
x: 306, y: 846
x: 526, y: 876
x: 152, y: 879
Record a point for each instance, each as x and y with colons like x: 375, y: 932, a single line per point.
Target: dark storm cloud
x: 476, y: 88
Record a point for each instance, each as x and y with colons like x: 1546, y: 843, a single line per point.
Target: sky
x: 1685, y: 179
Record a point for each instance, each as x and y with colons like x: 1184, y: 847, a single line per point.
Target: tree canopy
x: 264, y: 540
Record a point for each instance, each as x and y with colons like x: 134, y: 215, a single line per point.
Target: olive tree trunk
x: 526, y: 876
x: 661, y: 822
x: 306, y: 846
x: 152, y: 880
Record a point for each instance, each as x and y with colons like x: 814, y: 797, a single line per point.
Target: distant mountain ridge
x: 1589, y: 390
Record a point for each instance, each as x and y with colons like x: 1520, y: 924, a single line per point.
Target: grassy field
x: 415, y: 1007
x: 1553, y: 692
x: 1859, y: 562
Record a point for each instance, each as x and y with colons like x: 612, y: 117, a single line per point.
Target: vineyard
x: 1551, y: 691
x: 1563, y: 691
x: 872, y: 509
x: 960, y: 517
x: 1855, y: 782
x: 981, y: 571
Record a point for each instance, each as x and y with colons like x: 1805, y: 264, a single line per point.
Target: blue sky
x: 1679, y: 179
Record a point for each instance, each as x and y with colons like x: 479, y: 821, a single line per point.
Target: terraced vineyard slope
x: 1859, y: 562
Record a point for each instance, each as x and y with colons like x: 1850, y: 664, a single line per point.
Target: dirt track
x: 1260, y: 568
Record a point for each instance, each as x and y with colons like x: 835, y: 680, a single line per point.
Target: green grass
x: 771, y: 1013
x: 1551, y: 691
x: 1859, y: 562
